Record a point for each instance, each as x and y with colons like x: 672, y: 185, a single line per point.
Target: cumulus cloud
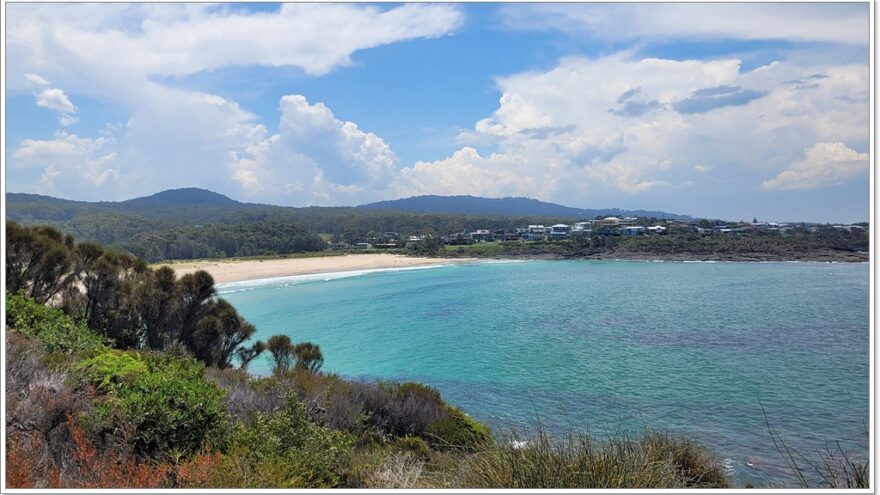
x: 824, y: 164
x: 837, y: 23
x: 592, y: 128
x: 124, y: 54
x: 466, y: 172
x: 55, y: 99
x: 70, y: 161
x: 315, y: 156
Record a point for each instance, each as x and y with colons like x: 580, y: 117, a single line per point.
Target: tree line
x: 134, y: 306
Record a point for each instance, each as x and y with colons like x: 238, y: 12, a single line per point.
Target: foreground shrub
x: 113, y: 367
x: 458, y: 431
x: 164, y: 403
x: 278, y: 450
x: 27, y: 465
x: 57, y: 331
x: 579, y: 461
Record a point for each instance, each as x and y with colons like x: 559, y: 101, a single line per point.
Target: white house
x: 559, y: 231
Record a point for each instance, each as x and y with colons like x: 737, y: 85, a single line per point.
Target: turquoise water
x: 693, y: 348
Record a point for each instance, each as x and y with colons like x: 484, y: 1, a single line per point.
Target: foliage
x: 28, y: 466
x: 130, y: 304
x: 458, y: 431
x: 577, y: 460
x: 247, y: 354
x: 280, y: 450
x: 113, y: 367
x: 283, y: 353
x: 55, y: 330
x: 413, y: 445
x: 308, y: 357
x: 171, y: 407
x: 219, y: 333
x: 38, y: 264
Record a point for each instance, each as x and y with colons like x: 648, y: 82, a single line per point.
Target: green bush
x: 57, y: 331
x: 458, y: 431
x: 285, y: 450
x: 429, y: 394
x: 113, y: 367
x: 167, y: 407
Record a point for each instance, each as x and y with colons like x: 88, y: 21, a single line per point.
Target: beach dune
x: 233, y: 270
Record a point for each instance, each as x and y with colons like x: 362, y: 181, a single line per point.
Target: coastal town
x: 587, y: 229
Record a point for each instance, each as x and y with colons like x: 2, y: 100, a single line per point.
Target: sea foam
x: 290, y: 280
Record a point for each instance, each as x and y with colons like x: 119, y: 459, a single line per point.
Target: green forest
x: 196, y: 224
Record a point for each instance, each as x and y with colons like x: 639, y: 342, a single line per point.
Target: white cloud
x: 35, y: 79
x: 466, y: 172
x: 74, y: 163
x: 163, y: 40
x: 55, y: 99
x: 831, y: 22
x: 592, y: 128
x: 315, y: 156
x: 122, y: 54
x: 824, y: 164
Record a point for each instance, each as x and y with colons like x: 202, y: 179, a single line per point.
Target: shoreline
x: 226, y: 271
x: 235, y: 270
x: 806, y: 257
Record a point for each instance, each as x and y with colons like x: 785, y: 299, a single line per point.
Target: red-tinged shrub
x: 109, y: 468
x: 22, y: 458
x: 201, y: 471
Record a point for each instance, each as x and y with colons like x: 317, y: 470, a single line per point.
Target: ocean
x: 696, y: 349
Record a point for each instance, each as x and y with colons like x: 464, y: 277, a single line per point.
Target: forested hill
x: 195, y: 223
x: 474, y: 205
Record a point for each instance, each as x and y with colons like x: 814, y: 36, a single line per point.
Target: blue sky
x: 722, y: 110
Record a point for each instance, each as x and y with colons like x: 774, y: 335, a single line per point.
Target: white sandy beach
x: 225, y: 271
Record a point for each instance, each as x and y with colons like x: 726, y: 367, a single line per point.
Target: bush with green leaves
x: 113, y: 367
x: 57, y: 331
x: 458, y: 431
x: 163, y: 402
x: 285, y: 450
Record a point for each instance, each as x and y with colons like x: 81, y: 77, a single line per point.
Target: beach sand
x: 234, y: 270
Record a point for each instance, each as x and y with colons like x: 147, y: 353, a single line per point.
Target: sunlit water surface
x: 692, y: 348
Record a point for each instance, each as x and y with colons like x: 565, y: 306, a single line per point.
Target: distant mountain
x: 474, y: 205
x: 189, y: 196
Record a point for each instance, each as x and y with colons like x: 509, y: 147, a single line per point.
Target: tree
x: 191, y: 292
x: 38, y: 261
x: 247, y: 354
x: 156, y: 303
x: 219, y: 333
x: 282, y: 353
x: 308, y: 357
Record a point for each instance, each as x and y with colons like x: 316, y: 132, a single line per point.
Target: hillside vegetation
x: 193, y: 223
x: 825, y: 243
x: 119, y: 376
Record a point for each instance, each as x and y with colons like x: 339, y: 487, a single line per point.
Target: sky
x: 722, y: 110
